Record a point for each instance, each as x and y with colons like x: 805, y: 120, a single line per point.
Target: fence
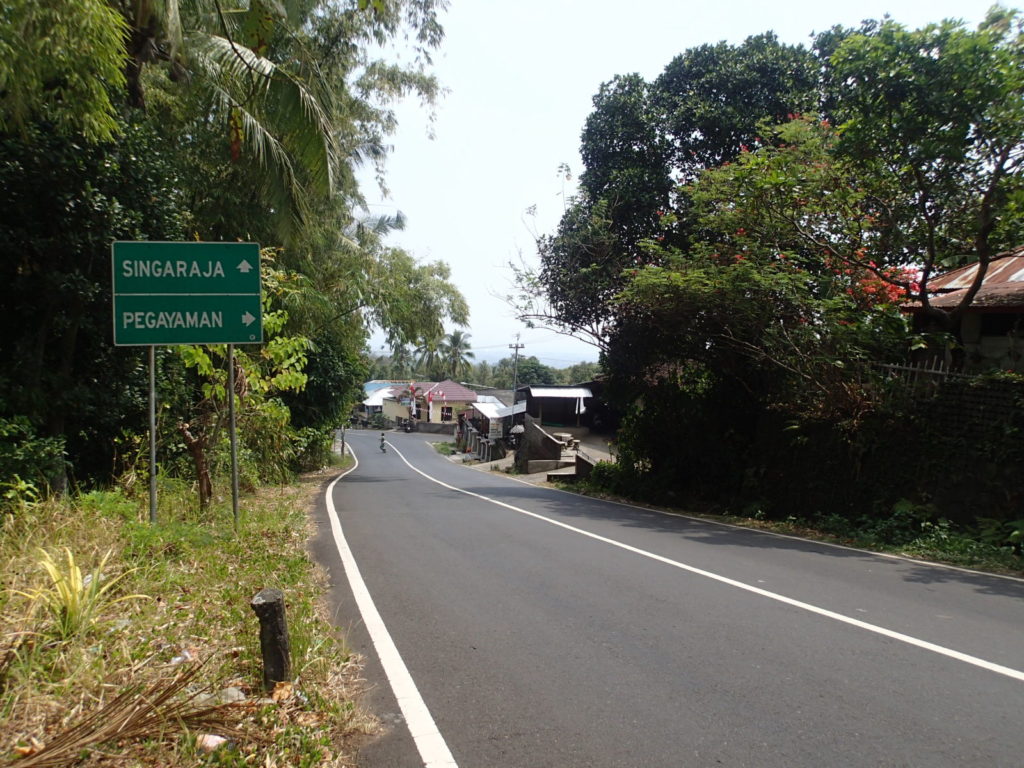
x: 961, y: 402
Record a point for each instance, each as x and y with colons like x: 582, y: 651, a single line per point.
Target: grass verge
x: 129, y: 644
x: 934, y: 541
x: 445, y: 448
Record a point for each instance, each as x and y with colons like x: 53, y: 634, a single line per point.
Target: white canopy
x: 499, y: 411
x: 376, y: 398
x: 574, y: 393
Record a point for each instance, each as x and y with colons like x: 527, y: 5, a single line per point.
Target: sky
x: 519, y: 78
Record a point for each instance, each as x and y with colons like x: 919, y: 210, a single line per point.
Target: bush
x: 608, y: 477
x: 36, y: 460
x: 312, y: 447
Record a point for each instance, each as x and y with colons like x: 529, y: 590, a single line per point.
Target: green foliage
x: 18, y: 496
x: 445, y: 449
x: 334, y: 381
x: 931, y: 124
x: 532, y: 371
x: 64, y: 202
x: 312, y: 448
x: 455, y: 355
x: 741, y: 313
x: 201, y: 575
x: 714, y: 98
x: 26, y: 458
x: 245, y: 124
x: 74, y: 601
x: 615, y: 478
x: 59, y: 63
x: 703, y: 110
x: 579, y: 373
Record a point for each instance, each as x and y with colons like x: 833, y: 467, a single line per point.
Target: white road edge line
x: 999, y: 669
x: 431, y: 745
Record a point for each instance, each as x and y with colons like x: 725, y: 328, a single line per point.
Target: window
x: 446, y: 413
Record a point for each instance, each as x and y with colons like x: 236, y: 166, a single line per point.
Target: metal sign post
x: 231, y: 432
x: 152, y: 434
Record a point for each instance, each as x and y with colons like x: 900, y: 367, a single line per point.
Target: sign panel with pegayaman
x: 186, y: 293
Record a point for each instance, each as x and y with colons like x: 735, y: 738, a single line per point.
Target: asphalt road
x: 554, y: 630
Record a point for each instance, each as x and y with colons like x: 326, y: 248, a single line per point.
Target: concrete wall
x: 536, y: 444
x: 584, y: 465
x: 436, y: 428
x: 394, y: 411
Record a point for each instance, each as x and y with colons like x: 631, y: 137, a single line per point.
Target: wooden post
x: 268, y: 604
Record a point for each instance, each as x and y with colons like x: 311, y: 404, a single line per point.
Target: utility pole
x: 515, y: 367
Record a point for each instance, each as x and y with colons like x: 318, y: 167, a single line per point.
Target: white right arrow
x: 245, y: 267
x: 248, y: 319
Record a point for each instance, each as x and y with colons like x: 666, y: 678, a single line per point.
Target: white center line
x: 1015, y: 674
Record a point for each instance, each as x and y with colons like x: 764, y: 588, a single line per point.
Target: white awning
x: 499, y: 411
x: 376, y: 398
x: 569, y: 393
x: 487, y: 410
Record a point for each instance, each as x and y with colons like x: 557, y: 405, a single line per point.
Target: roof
x: 574, y: 393
x: 442, y: 390
x: 375, y: 384
x: 452, y: 391
x: 1002, y: 287
x: 499, y: 411
x: 376, y: 397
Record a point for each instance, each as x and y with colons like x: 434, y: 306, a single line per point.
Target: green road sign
x: 186, y: 293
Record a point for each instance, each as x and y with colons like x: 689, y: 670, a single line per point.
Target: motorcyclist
x: 382, y: 448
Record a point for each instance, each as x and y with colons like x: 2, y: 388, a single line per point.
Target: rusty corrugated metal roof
x: 1007, y: 267
x: 1002, y: 288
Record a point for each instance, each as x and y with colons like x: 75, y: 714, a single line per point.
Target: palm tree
x: 401, y: 362
x: 428, y: 358
x: 291, y: 85
x: 455, y: 354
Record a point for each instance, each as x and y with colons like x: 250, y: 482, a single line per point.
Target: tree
x: 532, y: 371
x: 703, y: 110
x: 428, y: 359
x: 254, y: 120
x: 402, y: 362
x: 482, y: 374
x: 64, y: 202
x: 923, y: 174
x: 455, y: 354
x: 933, y: 128
x: 58, y: 64
x: 712, y: 98
x: 579, y: 373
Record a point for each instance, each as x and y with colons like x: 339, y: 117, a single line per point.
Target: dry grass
x: 144, y: 678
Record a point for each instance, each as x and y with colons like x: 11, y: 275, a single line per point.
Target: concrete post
x: 268, y: 605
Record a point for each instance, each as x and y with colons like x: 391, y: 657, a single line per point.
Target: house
x: 992, y: 327
x: 427, y: 402
x: 373, y: 402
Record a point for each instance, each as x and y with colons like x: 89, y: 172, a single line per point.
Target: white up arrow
x: 248, y: 319
x: 245, y: 267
